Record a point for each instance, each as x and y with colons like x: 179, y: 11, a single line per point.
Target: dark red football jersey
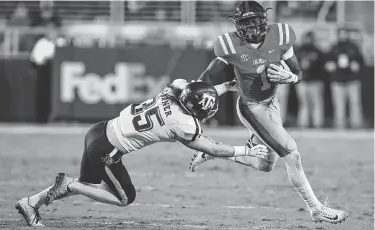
x: 250, y: 64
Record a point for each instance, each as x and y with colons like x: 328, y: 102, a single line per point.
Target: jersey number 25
x: 142, y: 115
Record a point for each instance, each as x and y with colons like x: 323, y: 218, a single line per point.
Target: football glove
x: 280, y: 75
x: 256, y: 150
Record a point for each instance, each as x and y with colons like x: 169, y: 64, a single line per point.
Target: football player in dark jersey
x: 262, y: 57
x: 174, y: 115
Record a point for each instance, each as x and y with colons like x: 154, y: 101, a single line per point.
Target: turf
x: 219, y: 195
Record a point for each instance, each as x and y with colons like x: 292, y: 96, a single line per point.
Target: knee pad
x: 296, y: 156
x: 291, y: 145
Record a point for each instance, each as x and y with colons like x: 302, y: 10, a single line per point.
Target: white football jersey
x: 160, y: 119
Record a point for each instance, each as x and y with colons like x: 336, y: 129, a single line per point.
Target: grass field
x: 220, y: 195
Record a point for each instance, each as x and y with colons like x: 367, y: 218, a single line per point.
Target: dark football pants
x: 264, y: 120
x: 94, y: 170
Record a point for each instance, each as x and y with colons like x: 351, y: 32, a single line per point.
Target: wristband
x: 239, y: 151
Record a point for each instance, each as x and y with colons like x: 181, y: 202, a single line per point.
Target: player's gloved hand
x: 280, y: 75
x: 256, y: 150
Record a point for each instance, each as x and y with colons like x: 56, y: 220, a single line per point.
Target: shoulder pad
x: 189, y: 130
x: 224, y: 45
x: 284, y: 33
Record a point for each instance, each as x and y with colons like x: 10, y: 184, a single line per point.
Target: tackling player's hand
x: 280, y: 75
x: 232, y: 85
x: 256, y: 151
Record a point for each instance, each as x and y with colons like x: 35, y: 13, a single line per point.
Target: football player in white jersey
x: 173, y: 115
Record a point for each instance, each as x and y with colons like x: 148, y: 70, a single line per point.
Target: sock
x: 39, y: 199
x: 309, y: 196
x: 98, y: 192
x: 298, y: 179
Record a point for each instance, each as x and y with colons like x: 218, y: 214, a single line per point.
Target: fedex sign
x: 122, y: 86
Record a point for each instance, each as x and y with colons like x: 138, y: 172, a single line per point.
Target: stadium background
x: 155, y: 42
x: 141, y: 46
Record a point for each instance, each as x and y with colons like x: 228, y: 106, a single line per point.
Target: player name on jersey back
x: 160, y: 119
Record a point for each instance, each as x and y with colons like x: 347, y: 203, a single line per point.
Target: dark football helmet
x: 200, y: 99
x: 250, y: 21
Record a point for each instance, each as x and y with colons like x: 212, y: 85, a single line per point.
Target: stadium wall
x: 91, y: 84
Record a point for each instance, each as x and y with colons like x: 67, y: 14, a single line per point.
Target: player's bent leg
x: 255, y: 162
x: 118, y: 180
x: 99, y: 192
x: 263, y: 164
x: 93, y: 171
x: 250, y: 121
x: 265, y: 122
x: 97, y: 166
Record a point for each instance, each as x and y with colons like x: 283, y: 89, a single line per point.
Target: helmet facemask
x: 203, y: 116
x: 251, y: 28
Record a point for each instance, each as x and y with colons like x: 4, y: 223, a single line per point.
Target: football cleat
x: 59, y: 189
x: 29, y: 213
x: 198, y: 159
x: 326, y: 214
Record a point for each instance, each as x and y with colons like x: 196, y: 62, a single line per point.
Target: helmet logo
x: 207, y: 102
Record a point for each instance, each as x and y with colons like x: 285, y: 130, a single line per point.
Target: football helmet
x: 250, y: 20
x: 200, y: 100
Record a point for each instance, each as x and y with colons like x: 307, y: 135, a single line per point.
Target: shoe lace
x: 37, y: 215
x: 326, y: 203
x: 36, y: 210
x: 326, y: 207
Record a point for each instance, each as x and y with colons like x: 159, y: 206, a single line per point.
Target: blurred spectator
x: 310, y: 90
x: 41, y: 57
x: 20, y: 16
x: 46, y: 15
x: 345, y: 63
x: 135, y: 6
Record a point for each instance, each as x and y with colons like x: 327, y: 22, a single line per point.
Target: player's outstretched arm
x: 216, y: 69
x: 207, y: 145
